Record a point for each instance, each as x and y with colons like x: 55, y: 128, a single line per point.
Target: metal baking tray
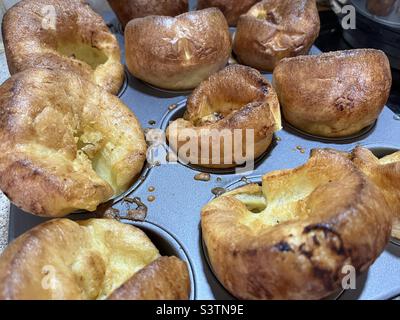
x: 173, y: 218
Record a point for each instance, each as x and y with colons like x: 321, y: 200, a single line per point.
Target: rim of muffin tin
x: 176, y: 113
x: 381, y: 150
x: 168, y: 245
x: 257, y: 179
x: 360, y: 135
x: 124, y: 85
x: 169, y: 91
x: 138, y: 182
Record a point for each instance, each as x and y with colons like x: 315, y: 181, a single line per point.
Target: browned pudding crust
x: 276, y: 29
x: 87, y: 260
x: 65, y: 35
x: 380, y: 7
x: 234, y: 99
x: 385, y: 173
x: 334, y: 94
x: 290, y: 238
x: 232, y: 9
x: 166, y: 278
x: 126, y: 10
x: 177, y: 53
x: 65, y: 143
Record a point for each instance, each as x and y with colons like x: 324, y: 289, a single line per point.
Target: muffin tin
x: 174, y: 197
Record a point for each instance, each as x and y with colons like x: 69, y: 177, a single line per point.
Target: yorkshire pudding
x: 232, y: 9
x: 334, y: 94
x: 59, y: 34
x: 276, y: 29
x: 177, y: 53
x: 290, y: 238
x: 385, y: 173
x: 220, y: 112
x: 65, y: 143
x: 88, y: 260
x: 126, y: 10
x: 380, y: 7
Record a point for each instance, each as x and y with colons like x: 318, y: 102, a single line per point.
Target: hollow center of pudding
x: 264, y: 14
x: 281, y: 200
x: 215, y: 111
x: 108, y: 265
x: 391, y: 158
x: 255, y: 203
x: 210, y: 119
x: 94, y: 148
x: 83, y: 52
x: 222, y: 97
x: 263, y: 213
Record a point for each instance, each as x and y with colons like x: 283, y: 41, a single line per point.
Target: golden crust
x: 177, y: 53
x: 65, y: 143
x: 126, y: 10
x: 235, y: 99
x: 334, y: 94
x: 385, y: 173
x: 273, y: 30
x: 232, y: 9
x: 77, y: 41
x: 305, y: 225
x: 167, y: 278
x: 61, y: 259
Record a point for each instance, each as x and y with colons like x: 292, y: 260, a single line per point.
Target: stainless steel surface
x: 179, y: 197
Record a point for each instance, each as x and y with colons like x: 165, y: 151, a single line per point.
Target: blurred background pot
x: 377, y: 26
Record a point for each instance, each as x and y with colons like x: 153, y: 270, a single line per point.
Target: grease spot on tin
x: 245, y: 180
x: 111, y: 213
x: 156, y: 164
x: 218, y: 191
x: 202, y: 177
x: 172, y: 107
x: 301, y: 149
x: 138, y: 214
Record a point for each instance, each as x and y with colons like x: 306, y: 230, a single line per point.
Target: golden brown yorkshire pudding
x: 65, y: 143
x: 177, y: 53
x: 126, y: 10
x: 87, y: 260
x: 219, y: 116
x: 385, y: 173
x: 59, y: 34
x: 232, y: 9
x: 380, y: 7
x: 276, y: 29
x: 334, y: 94
x: 290, y: 238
